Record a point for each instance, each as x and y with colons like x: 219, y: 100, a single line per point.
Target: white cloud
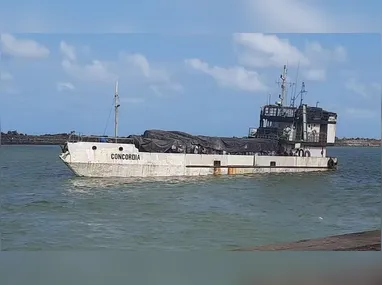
x: 318, y: 54
x: 299, y: 16
x: 361, y: 113
x: 365, y: 90
x: 290, y: 15
x: 257, y: 50
x: 138, y: 61
x: 62, y: 86
x: 22, y: 47
x: 261, y: 50
x: 5, y: 76
x: 133, y: 66
x: 139, y: 64
x: 237, y: 77
x: 96, y: 71
x: 353, y: 85
x: 68, y: 51
x: 156, y: 91
x: 315, y: 74
x: 7, y: 85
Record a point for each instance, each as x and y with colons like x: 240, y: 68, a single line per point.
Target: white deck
x: 108, y: 161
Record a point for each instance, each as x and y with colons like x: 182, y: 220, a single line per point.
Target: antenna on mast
x: 268, y: 99
x: 302, y: 92
x: 116, y: 106
x: 293, y: 100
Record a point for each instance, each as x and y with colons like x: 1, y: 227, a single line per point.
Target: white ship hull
x: 89, y: 159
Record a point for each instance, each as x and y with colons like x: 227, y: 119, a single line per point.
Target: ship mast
x: 283, y: 82
x: 303, y: 91
x: 293, y: 100
x: 116, y: 106
x: 301, y: 94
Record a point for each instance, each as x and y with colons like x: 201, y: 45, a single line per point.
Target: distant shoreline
x: 15, y: 138
x: 358, y: 142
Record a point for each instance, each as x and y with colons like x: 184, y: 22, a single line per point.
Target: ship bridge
x: 274, y: 119
x: 275, y: 113
x: 291, y: 124
x: 309, y: 125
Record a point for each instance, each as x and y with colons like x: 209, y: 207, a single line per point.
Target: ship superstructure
x: 297, y: 127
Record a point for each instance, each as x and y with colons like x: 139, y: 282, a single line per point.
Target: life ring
x: 331, y: 163
x: 307, y: 153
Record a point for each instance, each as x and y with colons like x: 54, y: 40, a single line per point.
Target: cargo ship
x: 289, y: 138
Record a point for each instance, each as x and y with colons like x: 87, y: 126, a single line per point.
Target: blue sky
x: 186, y: 16
x: 182, y: 67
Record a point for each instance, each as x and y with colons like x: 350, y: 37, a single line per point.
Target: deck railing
x: 313, y: 137
x: 78, y: 137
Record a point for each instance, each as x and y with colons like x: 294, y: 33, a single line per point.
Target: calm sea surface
x: 44, y: 207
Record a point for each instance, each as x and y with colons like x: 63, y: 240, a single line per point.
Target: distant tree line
x: 15, y: 133
x: 355, y: 139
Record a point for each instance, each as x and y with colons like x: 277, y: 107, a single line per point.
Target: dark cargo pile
x: 180, y: 142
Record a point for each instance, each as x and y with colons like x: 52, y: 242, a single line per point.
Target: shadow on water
x: 82, y: 183
x: 86, y: 183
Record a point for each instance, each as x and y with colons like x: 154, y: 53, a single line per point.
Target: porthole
x: 120, y: 148
x: 94, y: 147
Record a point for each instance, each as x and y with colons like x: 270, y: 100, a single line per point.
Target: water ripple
x: 45, y: 208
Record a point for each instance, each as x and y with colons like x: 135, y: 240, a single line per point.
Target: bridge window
x: 272, y: 163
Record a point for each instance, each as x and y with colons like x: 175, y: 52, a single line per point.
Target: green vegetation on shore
x: 14, y: 138
x: 366, y: 142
